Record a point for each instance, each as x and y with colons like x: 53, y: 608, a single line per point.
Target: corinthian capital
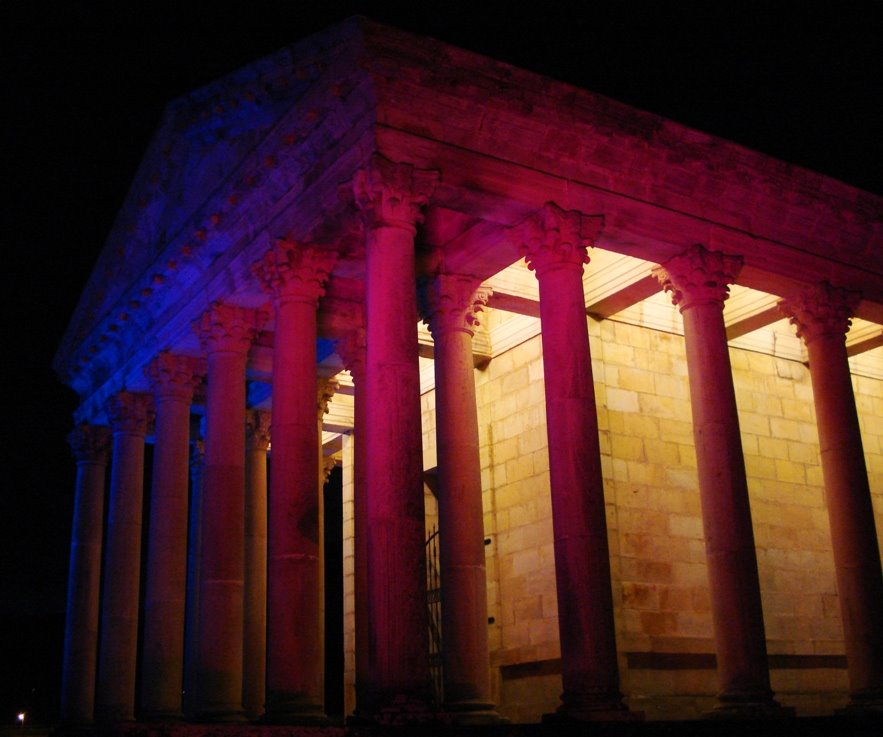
x: 328, y: 464
x: 391, y: 194
x: 291, y: 270
x: 257, y: 429
x: 698, y: 276
x: 554, y: 237
x: 90, y: 442
x: 227, y: 328
x: 130, y: 412
x: 821, y: 310
x: 176, y: 376
x: 197, y: 458
x: 452, y: 302
x: 325, y: 390
x: 351, y: 349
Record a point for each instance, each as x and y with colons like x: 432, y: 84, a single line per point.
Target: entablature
x: 504, y: 143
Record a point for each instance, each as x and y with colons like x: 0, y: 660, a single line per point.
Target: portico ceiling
x: 753, y: 321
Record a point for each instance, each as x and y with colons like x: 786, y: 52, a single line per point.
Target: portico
x: 621, y: 484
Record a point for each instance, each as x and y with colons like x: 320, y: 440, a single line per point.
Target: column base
x: 472, y: 713
x: 220, y: 716
x: 598, y: 710
x: 863, y: 704
x: 406, y: 710
x: 747, y: 709
x: 161, y: 716
x: 564, y: 718
x: 295, y: 712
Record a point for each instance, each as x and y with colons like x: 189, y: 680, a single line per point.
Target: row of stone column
x: 391, y: 663
x: 554, y: 243
x: 698, y: 282
x: 229, y: 618
x: 396, y: 667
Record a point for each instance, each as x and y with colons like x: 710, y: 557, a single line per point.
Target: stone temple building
x: 598, y: 400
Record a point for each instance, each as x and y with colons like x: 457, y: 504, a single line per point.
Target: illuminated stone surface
x: 173, y: 379
x: 821, y: 316
x: 226, y: 333
x: 90, y: 445
x: 399, y: 158
x: 698, y: 281
x: 555, y: 243
x: 257, y: 432
x: 117, y: 651
x: 295, y: 277
x: 452, y: 306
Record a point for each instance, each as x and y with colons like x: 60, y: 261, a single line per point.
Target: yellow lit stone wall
x: 349, y: 588
x: 869, y: 401
x: 654, y: 521
x: 660, y: 589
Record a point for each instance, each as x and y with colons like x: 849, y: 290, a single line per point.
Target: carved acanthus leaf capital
x: 554, y: 237
x: 197, y: 457
x: 351, y: 349
x: 90, y: 442
x: 291, y: 270
x: 130, y: 412
x: 257, y: 429
x: 326, y: 388
x: 821, y: 310
x: 452, y: 302
x: 392, y: 194
x: 698, y: 276
x: 328, y: 464
x: 174, y: 375
x: 228, y: 328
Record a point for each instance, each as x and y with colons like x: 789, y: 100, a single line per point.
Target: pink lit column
x: 226, y: 333
x: 697, y: 280
x: 295, y: 275
x: 255, y: 646
x: 115, y: 696
x: 194, y: 546
x: 173, y: 379
x: 822, y: 319
x: 351, y: 349
x: 390, y: 197
x: 90, y: 445
x: 451, y: 305
x: 555, y: 244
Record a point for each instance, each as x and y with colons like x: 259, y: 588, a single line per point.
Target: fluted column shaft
x: 115, y: 696
x: 226, y: 333
x: 451, y: 306
x: 173, y: 379
x: 194, y: 553
x: 390, y: 197
x: 822, y: 319
x: 698, y: 280
x: 555, y: 248
x: 90, y: 445
x: 294, y: 274
x: 255, y: 645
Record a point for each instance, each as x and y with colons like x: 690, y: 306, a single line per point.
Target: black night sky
x: 84, y: 84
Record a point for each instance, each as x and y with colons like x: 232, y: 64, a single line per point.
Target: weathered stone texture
x: 657, y: 549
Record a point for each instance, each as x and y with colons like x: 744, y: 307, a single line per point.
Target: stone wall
x: 663, y: 618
